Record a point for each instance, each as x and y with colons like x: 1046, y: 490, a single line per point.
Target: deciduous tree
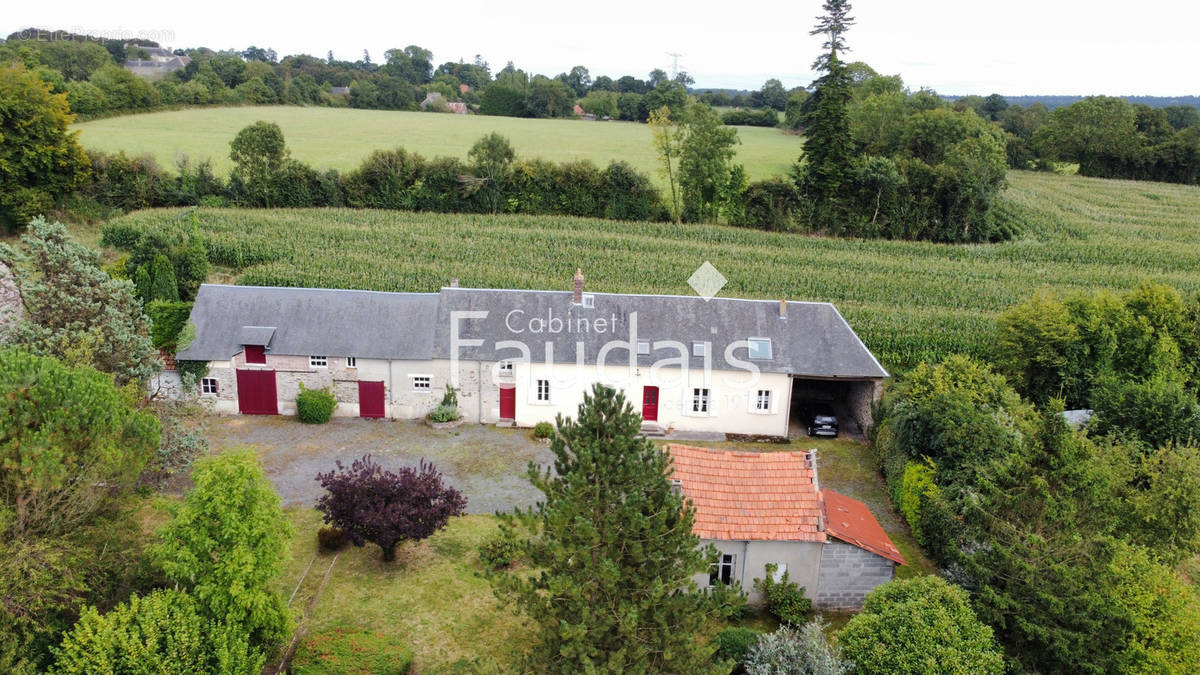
x: 707, y: 174
x: 386, y: 508
x: 667, y: 141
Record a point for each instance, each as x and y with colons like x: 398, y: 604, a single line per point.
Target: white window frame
x: 643, y: 347
x: 318, y: 361
x: 726, y: 562
x: 351, y: 361
x: 419, y: 378
x: 699, y: 349
x: 763, y: 402
x: 588, y: 301
x: 542, y: 391
x: 701, y: 401
x: 761, y: 340
x: 204, y: 386
x: 506, y: 367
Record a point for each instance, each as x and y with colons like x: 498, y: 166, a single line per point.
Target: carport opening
x: 848, y: 400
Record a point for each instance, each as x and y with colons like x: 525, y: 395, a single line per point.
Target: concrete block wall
x: 848, y: 574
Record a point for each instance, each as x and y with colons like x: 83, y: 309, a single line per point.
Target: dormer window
x: 643, y: 347
x: 759, y: 348
x: 699, y: 349
x: 255, y: 353
x: 589, y: 300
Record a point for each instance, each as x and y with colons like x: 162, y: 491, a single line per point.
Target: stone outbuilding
x: 760, y: 508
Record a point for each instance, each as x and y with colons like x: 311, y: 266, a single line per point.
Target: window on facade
x: 700, y: 400
x: 422, y: 382
x: 255, y: 353
x: 208, y: 385
x: 543, y: 390
x: 589, y: 300
x: 763, y: 402
x: 506, y: 367
x: 722, y: 570
x: 699, y: 348
x: 643, y: 346
x: 318, y: 361
x: 759, y: 348
x: 351, y: 362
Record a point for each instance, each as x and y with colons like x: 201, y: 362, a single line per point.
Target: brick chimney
x: 783, y: 309
x: 577, y: 298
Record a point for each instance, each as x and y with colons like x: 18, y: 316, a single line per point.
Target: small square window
x: 318, y: 361
x: 699, y: 349
x: 255, y: 353
x: 543, y: 390
x: 643, y: 347
x: 589, y: 300
x: 208, y: 385
x: 351, y: 362
x: 422, y: 382
x: 506, y: 367
x: 700, y: 400
x: 759, y: 348
x: 722, y: 570
x: 763, y: 402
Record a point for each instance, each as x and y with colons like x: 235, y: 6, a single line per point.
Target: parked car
x: 824, y: 423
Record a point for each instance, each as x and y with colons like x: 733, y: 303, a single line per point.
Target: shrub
x: 916, y: 485
x: 734, y: 643
x: 315, y: 406
x: 785, y: 599
x: 331, y: 539
x: 450, y: 398
x: 543, y: 430
x: 167, y: 320
x: 771, y: 205
x: 499, y: 550
x: 351, y: 651
x: 796, y: 650
x: 443, y: 414
x: 751, y: 118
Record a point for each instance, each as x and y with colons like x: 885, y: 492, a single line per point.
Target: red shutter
x: 371, y: 399
x: 255, y: 354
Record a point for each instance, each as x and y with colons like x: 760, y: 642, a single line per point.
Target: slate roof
x: 749, y: 496
x: 813, y: 341
x: 851, y: 521
x: 366, y: 324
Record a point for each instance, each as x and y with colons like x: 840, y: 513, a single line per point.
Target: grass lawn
x: 339, y: 138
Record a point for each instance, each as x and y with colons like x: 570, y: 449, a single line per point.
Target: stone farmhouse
x: 721, y: 366
x: 768, y: 508
x: 161, y: 62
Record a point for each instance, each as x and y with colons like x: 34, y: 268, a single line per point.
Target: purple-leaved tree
x: 386, y: 508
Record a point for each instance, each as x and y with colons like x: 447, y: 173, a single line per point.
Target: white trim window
x: 701, y: 400
x: 422, y: 382
x: 209, y: 385
x: 762, y: 401
x: 543, y: 391
x: 351, y: 362
x: 699, y: 349
x: 643, y: 347
x: 759, y: 348
x: 589, y: 300
x: 506, y: 367
x: 722, y: 570
x: 318, y: 362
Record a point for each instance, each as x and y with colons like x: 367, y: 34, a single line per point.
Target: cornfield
x: 908, y: 301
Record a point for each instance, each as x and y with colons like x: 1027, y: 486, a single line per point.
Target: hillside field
x: 909, y: 301
x: 339, y: 138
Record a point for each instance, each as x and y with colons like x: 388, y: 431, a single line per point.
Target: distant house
x: 690, y: 366
x: 160, y: 61
x: 458, y: 107
x: 340, y: 91
x: 436, y: 101
x: 463, y: 88
x: 768, y: 508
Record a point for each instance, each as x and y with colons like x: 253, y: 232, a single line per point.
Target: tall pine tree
x: 826, y: 168
x: 614, y: 553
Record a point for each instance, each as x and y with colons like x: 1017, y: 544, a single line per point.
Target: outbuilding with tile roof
x: 760, y: 508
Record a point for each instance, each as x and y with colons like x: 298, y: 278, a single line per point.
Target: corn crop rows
x: 909, y: 301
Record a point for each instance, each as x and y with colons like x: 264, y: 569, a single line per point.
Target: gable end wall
x: 848, y: 574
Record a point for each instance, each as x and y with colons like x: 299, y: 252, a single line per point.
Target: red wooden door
x: 508, y: 403
x: 650, y: 404
x: 256, y: 392
x: 371, y: 399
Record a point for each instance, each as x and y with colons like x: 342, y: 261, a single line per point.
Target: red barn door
x: 256, y: 392
x: 371, y: 399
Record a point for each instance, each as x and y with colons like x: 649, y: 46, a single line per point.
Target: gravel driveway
x: 486, y: 463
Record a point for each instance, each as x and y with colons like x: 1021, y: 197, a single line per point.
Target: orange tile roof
x: 851, y: 521
x: 749, y: 495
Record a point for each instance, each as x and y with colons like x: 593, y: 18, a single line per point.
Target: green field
x: 908, y: 300
x: 332, y: 138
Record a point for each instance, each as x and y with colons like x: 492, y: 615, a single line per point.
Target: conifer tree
x: 826, y: 167
x: 163, y: 284
x: 614, y: 553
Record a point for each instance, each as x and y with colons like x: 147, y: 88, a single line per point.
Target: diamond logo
x: 707, y: 281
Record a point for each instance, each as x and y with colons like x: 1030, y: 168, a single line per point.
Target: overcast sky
x: 954, y: 46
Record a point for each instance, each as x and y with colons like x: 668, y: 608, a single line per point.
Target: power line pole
x: 674, y: 64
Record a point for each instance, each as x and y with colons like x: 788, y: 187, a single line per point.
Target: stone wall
x: 848, y: 574
x: 859, y: 399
